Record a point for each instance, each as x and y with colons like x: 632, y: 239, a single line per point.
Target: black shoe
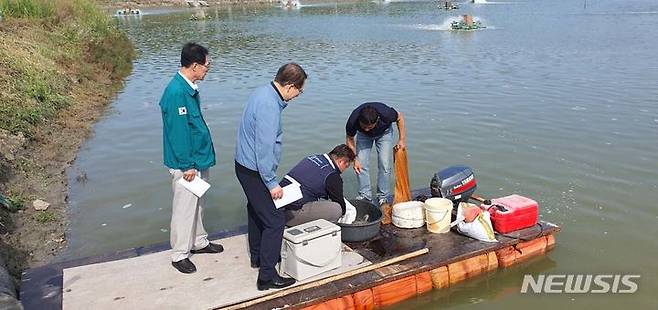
x: 210, y: 248
x: 184, y: 266
x: 277, y: 282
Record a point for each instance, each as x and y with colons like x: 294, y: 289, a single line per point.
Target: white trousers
x: 187, y: 230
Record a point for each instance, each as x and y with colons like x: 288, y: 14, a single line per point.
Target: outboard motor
x: 456, y: 183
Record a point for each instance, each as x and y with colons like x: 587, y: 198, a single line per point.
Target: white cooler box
x: 310, y: 249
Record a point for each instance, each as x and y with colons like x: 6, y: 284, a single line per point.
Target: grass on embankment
x: 60, y: 63
x: 47, y: 48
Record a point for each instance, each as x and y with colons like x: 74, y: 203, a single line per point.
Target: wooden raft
x: 452, y: 258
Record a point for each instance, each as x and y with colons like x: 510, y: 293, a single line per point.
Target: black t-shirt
x: 387, y: 116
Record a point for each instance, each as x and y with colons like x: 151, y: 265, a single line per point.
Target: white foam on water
x: 295, y: 5
x: 444, y: 26
x: 625, y: 13
x: 449, y: 20
x: 126, y: 16
x: 127, y: 206
x: 426, y: 27
x: 318, y: 5
x: 389, y: 1
x: 487, y: 2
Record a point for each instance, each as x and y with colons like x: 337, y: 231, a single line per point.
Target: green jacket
x: 186, y: 138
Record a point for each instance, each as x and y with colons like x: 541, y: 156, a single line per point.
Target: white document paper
x: 291, y: 193
x: 198, y: 186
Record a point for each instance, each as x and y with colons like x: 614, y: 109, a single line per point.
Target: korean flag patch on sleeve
x: 182, y: 111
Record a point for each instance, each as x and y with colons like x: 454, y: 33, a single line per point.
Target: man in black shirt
x: 319, y: 178
x: 371, y: 123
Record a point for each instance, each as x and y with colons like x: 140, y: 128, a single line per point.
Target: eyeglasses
x: 300, y: 90
x: 205, y: 66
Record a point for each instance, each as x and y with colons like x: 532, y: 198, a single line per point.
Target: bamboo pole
x: 326, y: 280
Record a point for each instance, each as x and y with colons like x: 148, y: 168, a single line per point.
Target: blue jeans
x: 384, y: 145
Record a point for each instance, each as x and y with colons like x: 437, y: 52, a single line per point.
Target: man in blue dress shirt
x: 257, y: 156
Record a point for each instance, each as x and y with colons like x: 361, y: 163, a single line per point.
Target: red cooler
x: 512, y: 213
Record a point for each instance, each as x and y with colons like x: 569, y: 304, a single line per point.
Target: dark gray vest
x: 311, y: 173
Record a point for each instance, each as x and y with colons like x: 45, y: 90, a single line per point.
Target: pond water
x: 554, y: 100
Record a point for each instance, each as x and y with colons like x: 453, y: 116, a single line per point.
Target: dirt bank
x: 61, y: 63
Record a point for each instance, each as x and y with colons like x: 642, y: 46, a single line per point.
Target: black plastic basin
x: 362, y: 230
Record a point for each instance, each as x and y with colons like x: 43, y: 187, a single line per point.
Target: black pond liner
x: 362, y: 230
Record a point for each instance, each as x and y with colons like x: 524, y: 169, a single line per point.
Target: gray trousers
x: 314, y: 210
x: 187, y: 230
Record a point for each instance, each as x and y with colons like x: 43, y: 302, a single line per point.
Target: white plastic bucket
x: 437, y: 214
x: 408, y: 214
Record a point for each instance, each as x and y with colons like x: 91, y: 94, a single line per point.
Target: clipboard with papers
x: 197, y: 186
x: 291, y: 193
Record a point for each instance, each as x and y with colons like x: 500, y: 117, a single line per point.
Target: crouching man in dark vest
x: 321, y: 185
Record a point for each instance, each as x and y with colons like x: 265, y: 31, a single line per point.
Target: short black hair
x: 368, y: 115
x: 291, y: 73
x: 343, y: 151
x: 193, y: 53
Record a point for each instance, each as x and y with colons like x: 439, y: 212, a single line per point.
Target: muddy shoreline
x: 55, y: 84
x: 39, y: 170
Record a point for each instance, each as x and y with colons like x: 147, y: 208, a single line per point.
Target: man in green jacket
x: 188, y: 152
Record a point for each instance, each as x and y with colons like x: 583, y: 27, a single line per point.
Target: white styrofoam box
x: 310, y: 249
x: 408, y: 214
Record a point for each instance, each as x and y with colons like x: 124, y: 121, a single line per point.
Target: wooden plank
x: 319, y: 294
x: 320, y: 282
x: 393, y: 292
x: 493, y: 261
x: 423, y: 282
x: 346, y: 286
x: 341, y: 303
x: 522, y: 251
x: 468, y: 268
x: 550, y: 242
x: 530, y: 249
x: 506, y: 256
x: 440, y: 277
x: 363, y: 300
x: 392, y: 269
x: 282, y: 302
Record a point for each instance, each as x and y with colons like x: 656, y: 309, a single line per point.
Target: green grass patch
x: 27, y: 8
x: 47, y: 49
x: 13, y: 202
x: 45, y: 216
